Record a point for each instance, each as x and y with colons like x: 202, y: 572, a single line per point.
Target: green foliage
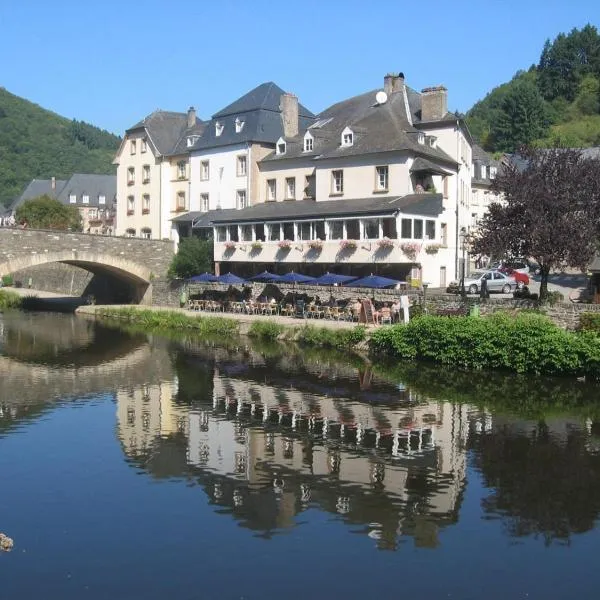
x: 265, y: 330
x: 590, y: 321
x: 7, y: 280
x: 193, y: 257
x: 554, y: 297
x: 36, y: 143
x: 47, y: 213
x: 332, y: 338
x: 562, y: 91
x: 525, y: 343
x: 9, y: 300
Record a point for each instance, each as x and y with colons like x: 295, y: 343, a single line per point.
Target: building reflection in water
x: 266, y: 452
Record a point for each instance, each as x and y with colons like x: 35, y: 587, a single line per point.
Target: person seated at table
x: 396, y: 307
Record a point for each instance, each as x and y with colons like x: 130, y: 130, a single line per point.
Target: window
x: 483, y: 172
x: 233, y: 233
x: 280, y: 148
x: 421, y: 138
x: 146, y: 174
x: 219, y: 128
x: 320, y: 230
x: 130, y: 232
x: 146, y: 233
x: 204, y: 203
x: 446, y: 185
x: 290, y: 188
x: 271, y: 189
x: 337, y: 182
x: 101, y: 199
x: 274, y: 232
x: 493, y: 171
x: 241, y: 166
x: 92, y: 213
x: 389, y: 229
x: 308, y: 143
x: 381, y: 179
x: 180, y: 199
x: 406, y: 229
x: 353, y: 229
x: 309, y: 186
x: 130, y: 176
x: 130, y: 205
x: 239, y: 125
x: 246, y: 233
x: 444, y: 233
x: 132, y: 146
x: 204, y: 170
x: 418, y: 229
x: 143, y: 145
x: 347, y: 137
x: 241, y: 199
x: 304, y: 231
x: 221, y: 234
x: 336, y: 230
x: 146, y: 204
x: 72, y: 198
x: 288, y: 231
x: 371, y: 229
x: 430, y: 229
x: 259, y: 232
x: 85, y: 198
x: 181, y: 169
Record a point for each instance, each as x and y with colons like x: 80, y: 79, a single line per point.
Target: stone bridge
x: 129, y: 263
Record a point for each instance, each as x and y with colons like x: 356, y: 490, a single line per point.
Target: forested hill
x: 37, y: 143
x: 556, y: 102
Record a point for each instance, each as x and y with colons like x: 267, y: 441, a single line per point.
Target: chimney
x: 53, y: 183
x: 288, y: 104
x: 434, y: 103
x: 191, y: 117
x: 393, y: 82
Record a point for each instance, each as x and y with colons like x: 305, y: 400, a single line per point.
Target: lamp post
x: 463, y: 237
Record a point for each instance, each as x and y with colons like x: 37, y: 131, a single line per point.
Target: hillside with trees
x: 553, y: 103
x: 38, y: 144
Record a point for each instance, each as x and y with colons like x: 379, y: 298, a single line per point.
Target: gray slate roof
x: 92, y: 185
x: 376, y: 127
x: 421, y: 204
x: 168, y: 131
x: 259, y: 109
x: 422, y: 164
x: 36, y: 188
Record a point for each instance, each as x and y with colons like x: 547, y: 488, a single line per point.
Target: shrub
x: 520, y: 343
x: 9, y: 300
x: 589, y: 321
x: 265, y: 330
x: 554, y: 298
x: 7, y: 280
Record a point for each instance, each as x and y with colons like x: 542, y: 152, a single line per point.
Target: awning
x: 424, y: 165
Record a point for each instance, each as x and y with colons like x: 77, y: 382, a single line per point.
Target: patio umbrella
x: 265, y: 276
x: 202, y: 278
x: 292, y: 277
x: 374, y: 281
x: 230, y: 278
x: 333, y: 278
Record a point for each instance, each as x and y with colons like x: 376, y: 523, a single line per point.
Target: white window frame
x: 130, y: 232
x: 337, y: 181
x: 241, y: 199
x: 290, y: 188
x: 204, y: 170
x: 146, y: 174
x: 130, y: 204
x: 219, y: 128
x: 143, y: 145
x: 72, y: 198
x: 179, y: 206
x: 239, y: 125
x: 204, y: 202
x: 85, y: 198
x: 146, y: 233
x: 242, y: 165
x: 309, y: 143
x: 93, y: 213
x: 146, y: 203
x: 101, y: 199
x: 347, y: 138
x: 271, y: 190
x: 281, y: 146
x: 132, y: 147
x: 382, y: 178
x: 131, y: 176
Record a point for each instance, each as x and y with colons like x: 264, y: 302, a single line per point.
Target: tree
x: 194, y: 256
x: 45, y: 212
x: 523, y: 117
x: 550, y: 211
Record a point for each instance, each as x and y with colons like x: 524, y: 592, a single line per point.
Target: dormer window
x: 347, y: 137
x: 421, y: 138
x: 431, y: 139
x: 493, y: 172
x: 191, y: 140
x: 219, y: 128
x: 308, y: 143
x: 281, y: 146
x: 239, y: 125
x: 483, y: 172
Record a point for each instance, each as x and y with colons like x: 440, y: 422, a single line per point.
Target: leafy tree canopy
x: 38, y: 144
x: 47, y: 213
x: 551, y: 211
x: 194, y: 256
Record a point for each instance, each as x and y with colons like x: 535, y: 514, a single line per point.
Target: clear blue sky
x: 112, y: 62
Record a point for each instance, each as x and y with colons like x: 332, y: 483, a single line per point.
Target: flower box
x: 348, y: 245
x: 315, y: 244
x: 284, y: 244
x: 410, y: 249
x: 385, y: 243
x: 257, y: 245
x: 432, y: 248
x: 230, y: 245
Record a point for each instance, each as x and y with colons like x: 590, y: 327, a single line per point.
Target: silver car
x: 496, y: 282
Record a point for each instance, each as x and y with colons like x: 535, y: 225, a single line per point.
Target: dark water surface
x: 132, y: 466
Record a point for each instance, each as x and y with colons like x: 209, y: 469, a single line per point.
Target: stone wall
x: 55, y: 277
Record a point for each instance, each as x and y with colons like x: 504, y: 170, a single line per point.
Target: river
x: 136, y: 466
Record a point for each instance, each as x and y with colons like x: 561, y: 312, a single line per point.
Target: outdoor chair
x: 385, y: 316
x: 300, y: 313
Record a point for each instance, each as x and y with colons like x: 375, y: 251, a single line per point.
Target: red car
x: 522, y: 279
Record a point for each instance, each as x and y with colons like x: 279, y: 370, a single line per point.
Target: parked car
x: 516, y: 264
x: 496, y: 282
x: 522, y: 279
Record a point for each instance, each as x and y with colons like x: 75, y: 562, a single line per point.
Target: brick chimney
x: 393, y: 82
x: 191, y: 117
x: 288, y: 104
x: 434, y: 103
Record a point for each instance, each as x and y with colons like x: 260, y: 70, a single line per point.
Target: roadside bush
x: 265, y: 330
x: 554, y: 298
x: 9, y: 300
x: 7, y: 280
x: 523, y: 343
x: 590, y: 321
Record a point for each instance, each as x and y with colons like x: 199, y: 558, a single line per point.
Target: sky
x: 111, y: 63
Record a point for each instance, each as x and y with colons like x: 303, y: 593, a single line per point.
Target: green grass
x: 9, y: 300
